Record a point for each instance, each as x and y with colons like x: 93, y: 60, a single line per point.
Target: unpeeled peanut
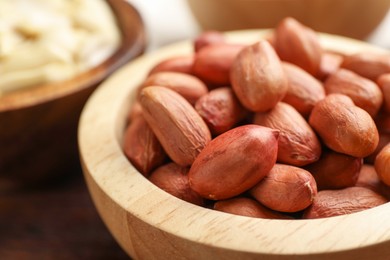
x: 141, y: 146
x: 298, y: 44
x: 247, y: 207
x: 298, y: 144
x: 213, y: 62
x: 367, y: 64
x: 208, y: 38
x: 382, y: 164
x: 286, y: 188
x: 344, y: 127
x: 178, y: 127
x: 304, y: 91
x: 257, y: 77
x: 188, y: 86
x: 330, y: 63
x: 363, y: 92
x: 220, y: 109
x: 369, y: 179
x: 383, y: 82
x: 335, y: 170
x: 329, y: 203
x: 234, y: 161
x: 173, y: 179
x: 181, y: 64
x: 384, y: 139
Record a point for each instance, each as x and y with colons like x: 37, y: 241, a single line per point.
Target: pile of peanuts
x: 280, y: 129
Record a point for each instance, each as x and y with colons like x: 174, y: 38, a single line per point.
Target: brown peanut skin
x: 344, y: 127
x: 298, y: 144
x: 208, y: 38
x: 304, y: 91
x: 257, y: 77
x: 382, y: 164
x: 234, y: 161
x: 173, y: 179
x: 286, y: 188
x: 190, y: 87
x: 181, y: 64
x: 220, y: 109
x: 330, y: 63
x: 335, y: 170
x: 384, y: 139
x: 135, y: 111
x: 330, y: 203
x: 178, y: 127
x: 247, y: 207
x: 298, y: 44
x: 367, y: 64
x: 364, y: 93
x: 382, y: 121
x: 369, y: 179
x: 383, y: 82
x: 213, y: 62
x: 141, y: 146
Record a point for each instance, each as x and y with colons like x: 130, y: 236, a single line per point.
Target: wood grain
x: 38, y: 133
x: 151, y: 224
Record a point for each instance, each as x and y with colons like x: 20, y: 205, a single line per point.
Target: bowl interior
x: 124, y: 197
x: 133, y: 44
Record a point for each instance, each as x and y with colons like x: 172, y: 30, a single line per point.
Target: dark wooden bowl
x: 38, y: 126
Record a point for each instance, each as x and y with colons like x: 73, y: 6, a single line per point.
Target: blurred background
x: 172, y: 20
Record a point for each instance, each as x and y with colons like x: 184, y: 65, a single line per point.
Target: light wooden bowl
x: 38, y: 133
x: 352, y: 18
x: 151, y: 224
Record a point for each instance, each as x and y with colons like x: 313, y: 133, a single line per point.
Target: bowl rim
x: 133, y: 44
x: 108, y: 167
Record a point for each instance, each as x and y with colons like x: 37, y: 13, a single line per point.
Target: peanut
x: 188, y: 86
x: 257, y: 77
x: 329, y: 203
x: 247, y: 207
x: 181, y: 64
x: 208, y: 38
x: 330, y: 63
x: 298, y: 44
x: 234, y: 161
x: 363, y: 92
x: 286, y: 188
x: 335, y: 170
x: 384, y: 83
x: 173, y: 179
x: 178, y: 127
x: 220, y: 109
x: 382, y: 164
x: 304, y: 91
x: 367, y: 64
x: 212, y: 63
x: 298, y: 144
x: 141, y: 146
x: 344, y: 127
x: 369, y: 179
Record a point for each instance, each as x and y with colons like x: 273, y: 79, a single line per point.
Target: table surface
x: 55, y: 221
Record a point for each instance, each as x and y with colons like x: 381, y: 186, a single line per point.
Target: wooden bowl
x: 352, y: 18
x: 151, y: 224
x: 38, y: 133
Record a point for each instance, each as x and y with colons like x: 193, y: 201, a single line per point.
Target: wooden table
x: 55, y: 221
